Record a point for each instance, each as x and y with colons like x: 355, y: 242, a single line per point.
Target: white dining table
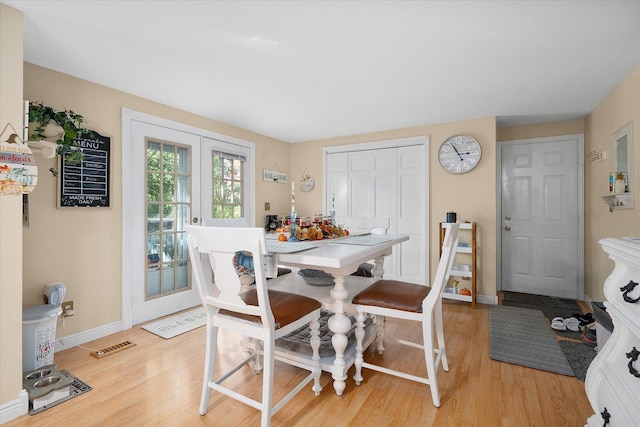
x: 339, y: 257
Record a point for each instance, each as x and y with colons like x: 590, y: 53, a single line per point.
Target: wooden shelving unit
x: 467, y: 234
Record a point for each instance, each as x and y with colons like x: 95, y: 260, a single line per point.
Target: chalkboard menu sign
x: 87, y: 184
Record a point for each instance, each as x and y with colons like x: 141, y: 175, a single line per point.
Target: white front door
x: 541, y: 217
x: 165, y: 196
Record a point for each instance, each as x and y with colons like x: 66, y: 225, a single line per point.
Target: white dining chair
x: 259, y: 313
x: 409, y: 301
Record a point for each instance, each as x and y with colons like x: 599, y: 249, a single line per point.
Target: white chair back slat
x: 219, y: 246
x: 443, y: 272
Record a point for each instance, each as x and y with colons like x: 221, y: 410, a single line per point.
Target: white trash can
x: 38, y: 335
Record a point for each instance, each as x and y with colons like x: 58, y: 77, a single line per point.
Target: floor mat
x: 523, y: 337
x: 76, y: 389
x: 550, y: 306
x: 579, y: 356
x: 173, y: 326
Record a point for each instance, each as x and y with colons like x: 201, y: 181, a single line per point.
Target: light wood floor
x: 158, y: 383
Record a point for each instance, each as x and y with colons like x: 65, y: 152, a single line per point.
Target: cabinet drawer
x: 604, y: 396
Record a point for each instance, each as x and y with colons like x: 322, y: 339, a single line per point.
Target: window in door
x: 168, y: 208
x: 228, y: 185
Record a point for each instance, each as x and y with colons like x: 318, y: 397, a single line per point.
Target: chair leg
x: 209, y: 365
x: 267, y: 381
x: 360, y: 319
x: 429, y: 355
x: 380, y: 324
x: 315, y: 346
x: 257, y: 361
x: 440, y: 336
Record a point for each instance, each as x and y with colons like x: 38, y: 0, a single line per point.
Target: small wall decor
x: 59, y: 127
x: 18, y: 169
x: 87, y: 184
x: 618, y: 182
x: 307, y: 183
x: 274, y: 175
x: 595, y: 156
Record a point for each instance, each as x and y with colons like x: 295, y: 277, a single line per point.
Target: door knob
x: 506, y: 227
x: 195, y: 220
x: 508, y: 218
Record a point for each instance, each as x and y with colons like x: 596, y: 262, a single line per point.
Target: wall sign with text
x: 87, y: 184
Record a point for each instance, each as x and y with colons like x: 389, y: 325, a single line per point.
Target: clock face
x: 459, y: 154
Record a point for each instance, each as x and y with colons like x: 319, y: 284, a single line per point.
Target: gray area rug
x: 523, y: 337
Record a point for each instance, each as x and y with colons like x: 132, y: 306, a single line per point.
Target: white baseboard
x: 11, y: 410
x: 487, y: 299
x: 80, y: 338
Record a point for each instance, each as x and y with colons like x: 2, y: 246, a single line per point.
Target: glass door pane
x: 168, y: 210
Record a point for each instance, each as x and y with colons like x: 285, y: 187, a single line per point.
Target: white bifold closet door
x: 387, y: 182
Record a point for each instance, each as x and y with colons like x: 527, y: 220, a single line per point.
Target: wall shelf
x: 618, y: 201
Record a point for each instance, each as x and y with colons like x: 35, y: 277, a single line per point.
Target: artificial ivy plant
x: 71, y: 123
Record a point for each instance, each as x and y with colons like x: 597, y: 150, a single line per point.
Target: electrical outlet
x: 67, y: 308
x: 267, y: 206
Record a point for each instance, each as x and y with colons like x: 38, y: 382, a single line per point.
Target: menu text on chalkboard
x: 87, y: 184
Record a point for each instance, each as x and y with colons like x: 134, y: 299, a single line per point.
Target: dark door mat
x: 579, y: 356
x: 541, y: 300
x: 75, y: 389
x: 550, y: 306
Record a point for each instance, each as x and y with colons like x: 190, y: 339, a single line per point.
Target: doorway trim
x: 128, y: 116
x: 579, y: 140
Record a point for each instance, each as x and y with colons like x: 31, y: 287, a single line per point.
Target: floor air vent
x: 113, y: 349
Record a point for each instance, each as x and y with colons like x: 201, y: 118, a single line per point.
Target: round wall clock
x: 459, y: 154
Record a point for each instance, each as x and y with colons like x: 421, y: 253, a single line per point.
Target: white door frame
x: 128, y: 250
x: 390, y: 143
x: 579, y: 140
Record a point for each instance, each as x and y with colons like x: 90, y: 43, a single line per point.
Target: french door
x: 166, y: 195
x: 228, y: 188
x: 174, y: 175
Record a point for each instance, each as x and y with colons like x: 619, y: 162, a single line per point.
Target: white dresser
x: 613, y: 379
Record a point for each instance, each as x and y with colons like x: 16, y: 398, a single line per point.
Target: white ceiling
x: 304, y: 70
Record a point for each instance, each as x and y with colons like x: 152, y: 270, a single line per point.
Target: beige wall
x: 82, y: 247
x: 540, y: 131
x: 471, y: 195
x: 11, y: 110
x: 619, y: 108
